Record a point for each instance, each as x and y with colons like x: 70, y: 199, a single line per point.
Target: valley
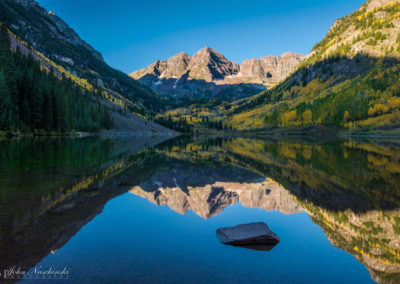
x: 349, y: 82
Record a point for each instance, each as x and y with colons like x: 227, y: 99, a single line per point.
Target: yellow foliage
x: 307, y: 117
x: 378, y: 109
x: 307, y: 152
x: 288, y: 151
x: 251, y: 119
x: 346, y: 116
x: 394, y: 103
x: 288, y: 118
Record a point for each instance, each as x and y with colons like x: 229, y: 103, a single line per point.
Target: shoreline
x: 316, y: 132
x: 106, y: 133
x: 311, y: 132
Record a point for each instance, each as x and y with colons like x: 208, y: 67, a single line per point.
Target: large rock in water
x: 256, y: 236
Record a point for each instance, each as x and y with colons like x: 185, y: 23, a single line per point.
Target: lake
x: 122, y: 210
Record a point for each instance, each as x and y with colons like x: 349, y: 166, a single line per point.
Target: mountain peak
x: 176, y: 65
x: 208, y: 65
x: 209, y: 51
x: 207, y: 48
x: 182, y: 54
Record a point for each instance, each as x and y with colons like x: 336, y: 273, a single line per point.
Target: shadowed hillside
x: 349, y: 80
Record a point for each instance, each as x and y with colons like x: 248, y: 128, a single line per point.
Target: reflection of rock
x: 254, y: 235
x: 381, y: 270
x: 208, y: 191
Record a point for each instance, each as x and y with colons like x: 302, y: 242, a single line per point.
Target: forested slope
x: 350, y: 80
x: 32, y: 99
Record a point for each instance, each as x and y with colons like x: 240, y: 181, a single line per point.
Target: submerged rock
x: 256, y: 236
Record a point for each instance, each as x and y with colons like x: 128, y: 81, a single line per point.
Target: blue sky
x: 132, y: 34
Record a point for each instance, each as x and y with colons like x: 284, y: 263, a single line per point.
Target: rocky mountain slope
x: 209, y: 74
x: 50, y: 36
x: 52, y: 43
x: 270, y: 69
x: 349, y: 80
x: 372, y: 31
x: 210, y: 65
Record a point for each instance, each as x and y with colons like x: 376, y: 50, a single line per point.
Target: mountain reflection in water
x: 348, y: 188
x: 207, y: 191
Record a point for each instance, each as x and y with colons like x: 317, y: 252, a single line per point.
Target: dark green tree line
x: 36, y: 100
x: 181, y: 125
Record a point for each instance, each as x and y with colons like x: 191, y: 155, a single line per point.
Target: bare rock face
x: 271, y: 69
x: 253, y: 68
x: 208, y: 64
x: 287, y: 63
x: 176, y: 66
x: 155, y: 69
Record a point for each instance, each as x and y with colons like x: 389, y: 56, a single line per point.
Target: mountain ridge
x: 209, y: 71
x: 69, y: 34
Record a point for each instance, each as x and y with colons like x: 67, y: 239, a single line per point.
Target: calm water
x: 123, y: 211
